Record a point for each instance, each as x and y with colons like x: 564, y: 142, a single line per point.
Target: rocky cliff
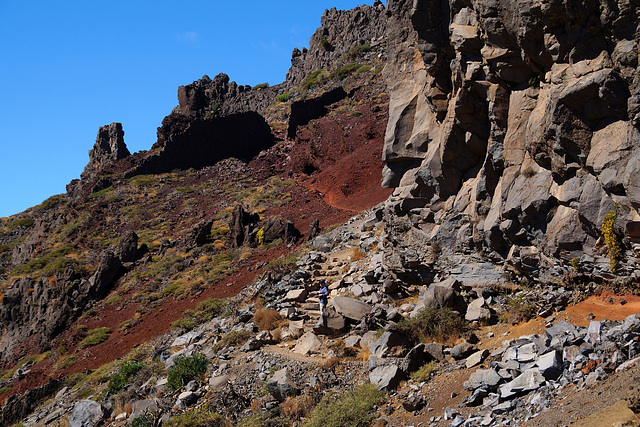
x: 515, y: 122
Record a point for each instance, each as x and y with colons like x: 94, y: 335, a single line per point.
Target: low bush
x: 203, y: 312
x: 356, y: 52
x: 271, y: 418
x: 424, y: 373
x: 95, y: 337
x: 350, y: 409
x: 284, y: 97
x: 261, y: 86
x: 20, y: 222
x: 201, y: 417
x: 314, y: 79
x: 297, y: 407
x: 611, y: 238
x: 120, y: 379
x: 518, y: 310
x: 326, y: 45
x: 433, y: 324
x: 186, y: 369
x: 145, y: 420
x: 234, y: 338
x: 266, y: 319
x: 344, y: 71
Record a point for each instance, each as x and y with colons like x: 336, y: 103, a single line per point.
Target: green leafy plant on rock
x: 201, y: 417
x: 284, y: 97
x: 186, y: 369
x: 431, y: 323
x: 611, y: 239
x: 127, y: 370
x: 351, y: 409
x: 204, y: 311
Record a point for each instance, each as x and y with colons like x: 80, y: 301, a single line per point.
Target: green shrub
x: 314, y: 79
x: 85, y: 393
x: 356, y: 52
x: 424, y: 373
x: 204, y: 311
x: 261, y: 86
x: 284, y: 97
x: 201, y: 417
x: 3, y: 390
x: 431, y: 323
x: 20, y: 222
x: 127, y: 370
x: 146, y: 420
x: 575, y: 263
x: 344, y: 71
x: 234, y: 338
x: 186, y: 369
x: 519, y: 310
x: 95, y: 337
x: 351, y: 409
x: 52, y: 202
x: 50, y: 261
x: 325, y: 44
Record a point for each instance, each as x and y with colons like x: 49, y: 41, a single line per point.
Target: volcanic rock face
x: 108, y: 148
x: 339, y: 31
x: 519, y: 120
x: 185, y: 142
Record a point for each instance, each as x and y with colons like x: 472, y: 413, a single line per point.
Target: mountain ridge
x: 504, y: 146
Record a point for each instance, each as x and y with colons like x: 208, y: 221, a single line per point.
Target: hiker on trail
x: 323, y: 293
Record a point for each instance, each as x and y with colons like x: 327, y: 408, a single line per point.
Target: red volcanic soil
x: 336, y: 162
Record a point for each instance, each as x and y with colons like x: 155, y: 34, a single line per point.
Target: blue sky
x: 70, y: 67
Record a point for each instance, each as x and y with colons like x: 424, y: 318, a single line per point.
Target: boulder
x: 485, y: 378
x: 307, y: 344
x: 478, y: 311
x: 219, y: 381
x: 200, y: 233
x: 550, y: 365
x: 350, y: 308
x: 281, y: 385
x: 415, y: 359
x: 86, y: 413
x: 462, y: 350
x: 297, y: 295
x: 142, y: 407
x: 531, y: 379
x: 386, y: 377
x: 390, y: 344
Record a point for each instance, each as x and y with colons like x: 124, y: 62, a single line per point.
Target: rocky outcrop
x: 185, y: 142
x: 246, y: 229
x: 522, y: 130
x: 305, y: 110
x: 339, y: 32
x: 219, y: 97
x: 33, y: 312
x: 108, y: 149
x: 18, y: 407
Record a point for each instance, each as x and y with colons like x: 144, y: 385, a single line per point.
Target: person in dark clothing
x: 323, y: 294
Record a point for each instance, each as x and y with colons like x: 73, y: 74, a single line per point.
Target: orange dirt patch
x: 604, y: 306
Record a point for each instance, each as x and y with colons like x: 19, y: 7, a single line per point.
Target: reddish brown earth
x: 346, y: 153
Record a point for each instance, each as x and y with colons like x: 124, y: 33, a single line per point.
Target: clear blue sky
x: 70, y: 67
